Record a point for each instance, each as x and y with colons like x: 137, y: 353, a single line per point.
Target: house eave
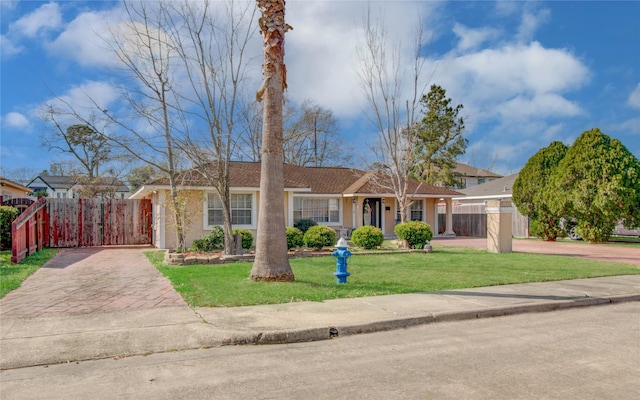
x: 486, y: 197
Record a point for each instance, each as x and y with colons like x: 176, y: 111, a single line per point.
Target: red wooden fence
x: 29, y: 231
x: 80, y: 223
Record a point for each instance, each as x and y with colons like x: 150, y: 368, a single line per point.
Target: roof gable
x: 498, y: 187
x: 470, y: 171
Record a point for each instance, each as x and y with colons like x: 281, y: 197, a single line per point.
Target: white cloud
x: 8, y: 4
x: 8, y: 47
x: 84, y: 39
x: 540, y: 106
x: 84, y: 99
x: 471, y: 39
x: 492, y: 78
x: 631, y: 126
x: 634, y: 97
x: 16, y: 120
x: 530, y: 22
x: 321, y: 50
x: 44, y: 18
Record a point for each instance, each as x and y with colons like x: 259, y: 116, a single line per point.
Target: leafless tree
x: 393, y: 103
x: 147, y: 52
x: 311, y: 137
x: 272, y: 261
x: 212, y: 45
x: 250, y: 143
x: 22, y: 175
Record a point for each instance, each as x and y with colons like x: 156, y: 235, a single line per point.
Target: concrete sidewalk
x: 66, y: 338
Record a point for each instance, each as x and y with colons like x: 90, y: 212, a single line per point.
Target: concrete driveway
x: 625, y: 253
x: 92, y: 280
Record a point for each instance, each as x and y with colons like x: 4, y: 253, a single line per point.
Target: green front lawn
x: 372, y: 275
x: 12, y: 275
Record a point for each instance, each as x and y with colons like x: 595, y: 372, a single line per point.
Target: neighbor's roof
x: 54, y: 182
x: 469, y: 171
x: 314, y: 180
x: 15, y: 185
x: 66, y: 182
x: 493, y: 189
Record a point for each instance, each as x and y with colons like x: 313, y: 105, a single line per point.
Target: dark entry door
x: 372, y: 212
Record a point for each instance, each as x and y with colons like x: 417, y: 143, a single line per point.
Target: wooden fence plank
x: 80, y: 222
x: 24, y: 231
x: 471, y: 220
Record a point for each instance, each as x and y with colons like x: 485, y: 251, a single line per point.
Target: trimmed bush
x: 247, y: 237
x: 415, y: 233
x: 295, y: 237
x: 7, y: 215
x: 305, y: 224
x: 319, y: 236
x: 368, y: 237
x: 211, y: 242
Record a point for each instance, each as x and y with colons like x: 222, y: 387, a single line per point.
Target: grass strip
x: 12, y: 275
x: 228, y: 285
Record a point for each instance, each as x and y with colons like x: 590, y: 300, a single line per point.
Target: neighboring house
x: 472, y: 176
x: 68, y: 187
x: 14, y: 194
x: 472, y: 207
x: 341, y: 198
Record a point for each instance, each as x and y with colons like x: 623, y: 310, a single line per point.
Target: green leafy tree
x: 598, y: 184
x: 7, y: 216
x: 530, y: 188
x: 138, y: 176
x: 440, y: 141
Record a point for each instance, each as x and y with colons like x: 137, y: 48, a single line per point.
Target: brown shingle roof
x: 381, y: 184
x: 319, y: 180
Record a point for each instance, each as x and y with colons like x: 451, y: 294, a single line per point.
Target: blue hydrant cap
x: 342, y: 243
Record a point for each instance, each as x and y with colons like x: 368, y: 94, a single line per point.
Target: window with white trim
x: 241, y: 209
x: 416, y: 210
x: 320, y: 209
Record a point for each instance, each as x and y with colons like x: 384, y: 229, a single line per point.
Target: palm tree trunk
x: 272, y: 261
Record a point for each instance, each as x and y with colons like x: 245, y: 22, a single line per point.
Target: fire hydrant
x: 342, y: 254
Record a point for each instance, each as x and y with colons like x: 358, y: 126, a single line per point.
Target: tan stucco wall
x: 430, y: 213
x: 194, y: 229
x: 499, y: 238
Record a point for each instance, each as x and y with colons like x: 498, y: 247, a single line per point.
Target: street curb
x: 198, y: 336
x: 330, y: 332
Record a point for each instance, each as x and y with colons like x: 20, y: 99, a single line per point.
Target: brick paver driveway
x: 89, y: 280
x: 629, y: 254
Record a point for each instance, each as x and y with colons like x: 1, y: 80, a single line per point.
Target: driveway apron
x: 89, y: 280
x: 624, y: 253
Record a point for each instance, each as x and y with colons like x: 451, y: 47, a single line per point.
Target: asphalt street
x: 584, y: 353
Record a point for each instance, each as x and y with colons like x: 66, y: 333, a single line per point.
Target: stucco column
x: 158, y: 201
x: 354, y: 212
x: 436, y: 228
x: 449, y: 225
x: 499, y: 215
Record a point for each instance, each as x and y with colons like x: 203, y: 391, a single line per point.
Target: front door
x: 372, y: 212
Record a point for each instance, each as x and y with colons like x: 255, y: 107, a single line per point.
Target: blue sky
x: 527, y: 73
